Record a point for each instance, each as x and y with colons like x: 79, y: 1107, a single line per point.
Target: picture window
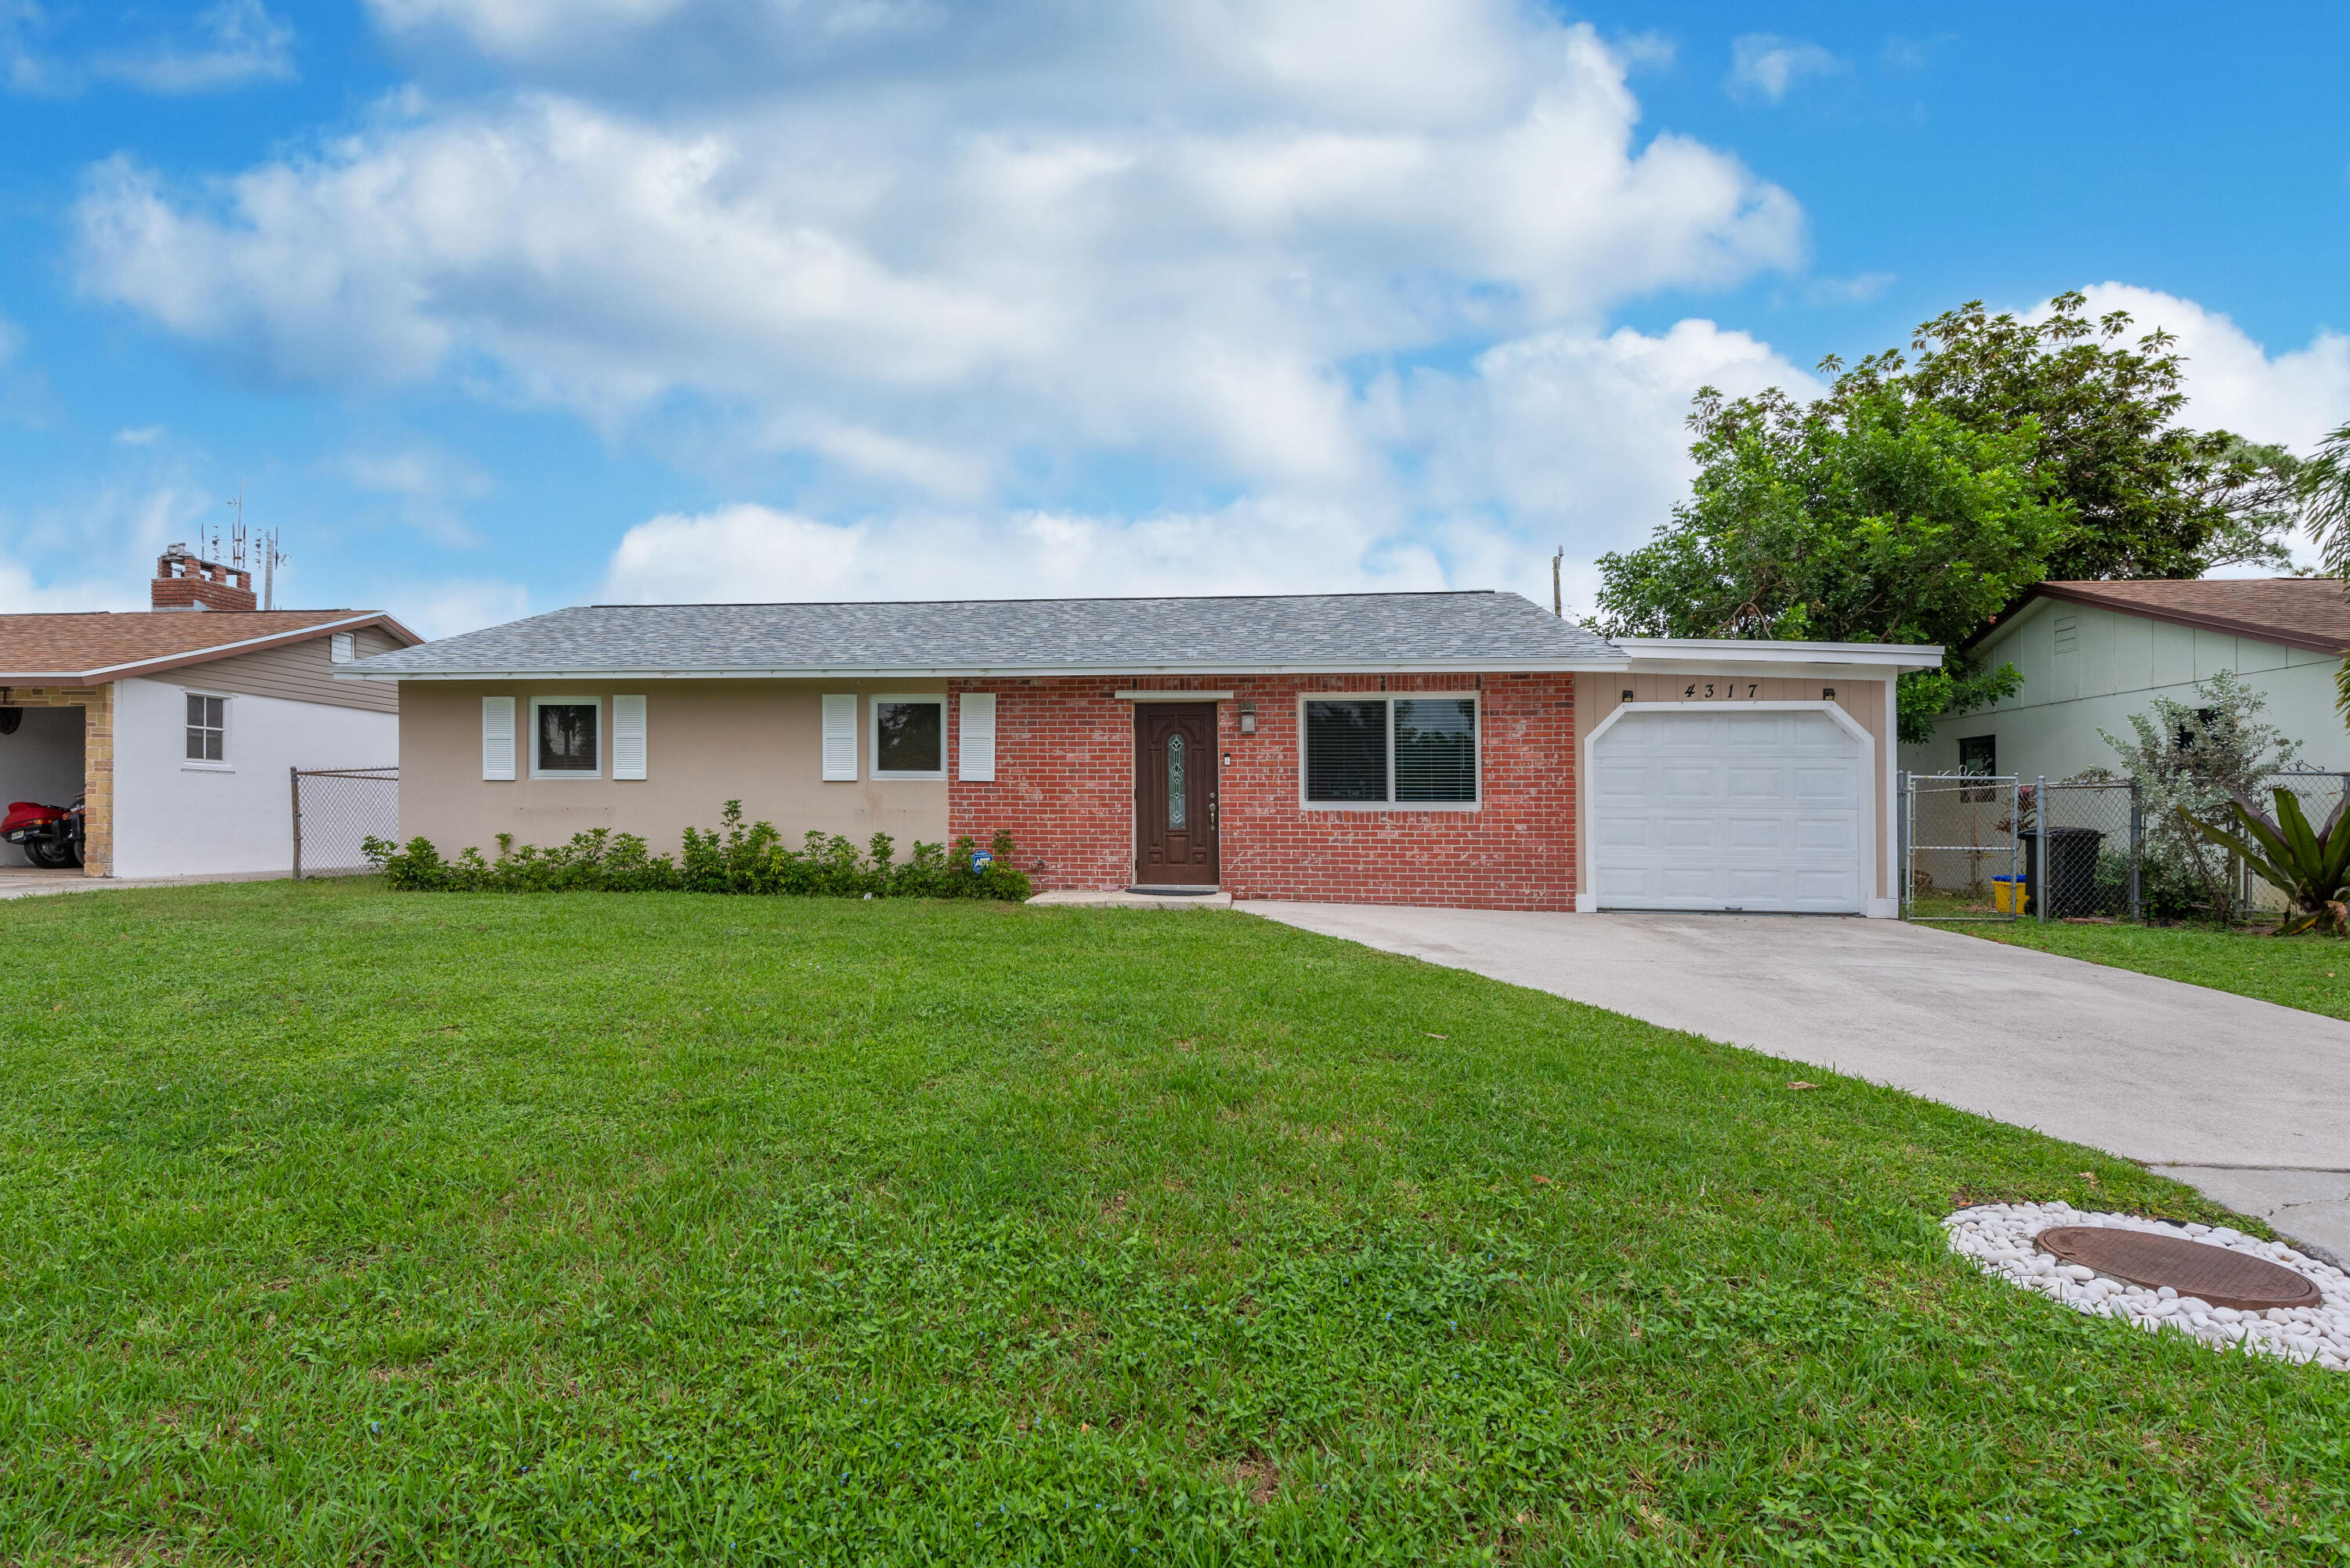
x: 1417, y: 750
x: 566, y: 738
x: 910, y: 737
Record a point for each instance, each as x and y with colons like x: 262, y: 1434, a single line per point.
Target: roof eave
x: 2310, y: 642
x: 1011, y: 671
x: 100, y: 674
x: 1729, y: 650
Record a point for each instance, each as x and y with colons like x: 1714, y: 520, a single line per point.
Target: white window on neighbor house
x: 343, y: 647
x: 1417, y: 750
x: 910, y: 737
x: 207, y: 729
x: 566, y: 738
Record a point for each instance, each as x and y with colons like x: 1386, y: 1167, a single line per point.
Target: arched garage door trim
x: 1865, y: 764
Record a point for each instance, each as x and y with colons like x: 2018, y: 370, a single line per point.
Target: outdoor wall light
x: 1827, y: 694
x: 1627, y: 696
x: 1248, y: 720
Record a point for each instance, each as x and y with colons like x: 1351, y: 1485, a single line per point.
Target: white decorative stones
x: 1999, y: 1238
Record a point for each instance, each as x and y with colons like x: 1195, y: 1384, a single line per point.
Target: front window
x: 565, y: 739
x: 1391, y: 751
x: 207, y: 729
x: 910, y: 737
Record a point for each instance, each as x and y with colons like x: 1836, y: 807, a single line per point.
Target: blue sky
x: 493, y: 306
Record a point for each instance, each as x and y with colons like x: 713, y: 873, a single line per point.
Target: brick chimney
x: 183, y: 582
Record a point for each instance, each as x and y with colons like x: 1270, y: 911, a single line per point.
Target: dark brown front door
x: 1175, y: 794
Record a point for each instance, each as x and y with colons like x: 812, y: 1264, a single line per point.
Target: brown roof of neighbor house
x: 2297, y: 612
x: 79, y: 648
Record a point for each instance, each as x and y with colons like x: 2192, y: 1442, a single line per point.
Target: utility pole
x: 1557, y: 604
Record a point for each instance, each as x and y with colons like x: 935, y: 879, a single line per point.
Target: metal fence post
x: 2137, y: 853
x: 2040, y: 815
x: 294, y: 780
x: 1901, y: 827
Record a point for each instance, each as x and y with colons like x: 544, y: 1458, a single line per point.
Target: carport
x: 46, y: 751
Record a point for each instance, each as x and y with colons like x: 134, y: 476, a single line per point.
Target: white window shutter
x: 627, y: 737
x: 840, y: 737
x: 497, y: 737
x: 975, y: 752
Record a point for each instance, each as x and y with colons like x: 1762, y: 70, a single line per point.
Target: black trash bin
x: 2069, y: 886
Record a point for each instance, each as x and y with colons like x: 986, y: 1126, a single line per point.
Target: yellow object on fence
x: 2008, y: 894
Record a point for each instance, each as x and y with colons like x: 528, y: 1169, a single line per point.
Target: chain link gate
x: 336, y: 810
x: 1979, y: 846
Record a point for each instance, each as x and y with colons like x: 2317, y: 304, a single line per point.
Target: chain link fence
x: 2319, y: 793
x: 1960, y: 856
x: 336, y: 810
x: 1982, y: 847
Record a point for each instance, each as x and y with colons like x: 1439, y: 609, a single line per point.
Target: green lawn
x: 348, y: 1227
x: 2309, y: 973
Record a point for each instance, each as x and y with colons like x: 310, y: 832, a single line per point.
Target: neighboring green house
x: 2092, y: 654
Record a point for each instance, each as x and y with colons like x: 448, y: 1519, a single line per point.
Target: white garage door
x: 1700, y: 808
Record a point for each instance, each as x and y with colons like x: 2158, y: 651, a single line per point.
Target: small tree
x: 2189, y: 762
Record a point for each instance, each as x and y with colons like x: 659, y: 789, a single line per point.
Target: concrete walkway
x: 2246, y: 1101
x: 30, y: 881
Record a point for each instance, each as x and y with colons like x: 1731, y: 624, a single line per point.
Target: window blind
x: 840, y: 737
x: 497, y: 737
x: 975, y: 747
x: 1347, y: 751
x: 1435, y: 749
x: 627, y: 737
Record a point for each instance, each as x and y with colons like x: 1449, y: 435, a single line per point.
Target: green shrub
x: 732, y: 858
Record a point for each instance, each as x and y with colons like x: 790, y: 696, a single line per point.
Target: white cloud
x: 1765, y: 66
x: 231, y: 44
x: 443, y: 606
x: 747, y: 552
x: 430, y: 485
x: 2234, y: 383
x: 1564, y: 438
x: 1178, y: 244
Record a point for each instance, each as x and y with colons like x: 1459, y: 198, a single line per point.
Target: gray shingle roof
x: 1300, y: 632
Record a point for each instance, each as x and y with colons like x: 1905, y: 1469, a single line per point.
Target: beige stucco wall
x: 707, y: 742
x: 1864, y: 693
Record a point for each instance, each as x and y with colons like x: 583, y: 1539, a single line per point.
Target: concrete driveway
x: 2246, y: 1101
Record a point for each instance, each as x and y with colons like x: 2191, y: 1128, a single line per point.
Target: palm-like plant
x: 2311, y: 867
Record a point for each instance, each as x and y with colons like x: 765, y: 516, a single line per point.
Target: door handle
x: 1211, y: 809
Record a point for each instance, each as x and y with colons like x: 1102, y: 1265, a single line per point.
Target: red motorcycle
x: 49, y: 835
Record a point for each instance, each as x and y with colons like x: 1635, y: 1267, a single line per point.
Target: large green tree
x: 2325, y: 491
x: 1920, y: 498
x: 2153, y: 498
x: 1863, y: 517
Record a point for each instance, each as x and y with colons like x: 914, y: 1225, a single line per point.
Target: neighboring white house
x: 177, y: 727
x: 2092, y: 654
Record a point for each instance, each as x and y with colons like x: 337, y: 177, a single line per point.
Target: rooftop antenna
x: 1557, y: 604
x: 271, y: 557
x: 236, y: 533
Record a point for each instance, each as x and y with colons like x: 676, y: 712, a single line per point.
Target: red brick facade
x: 1064, y: 787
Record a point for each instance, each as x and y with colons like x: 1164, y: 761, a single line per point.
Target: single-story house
x: 176, y: 726
x: 2092, y: 654
x: 1426, y: 748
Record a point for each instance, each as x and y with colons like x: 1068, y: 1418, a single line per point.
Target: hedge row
x: 734, y: 859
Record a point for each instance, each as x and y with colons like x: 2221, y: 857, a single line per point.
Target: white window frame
x: 227, y: 763
x: 873, y: 733
x: 342, y: 647
x: 603, y: 738
x: 1477, y: 719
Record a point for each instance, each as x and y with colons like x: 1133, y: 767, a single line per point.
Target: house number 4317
x: 1727, y: 689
